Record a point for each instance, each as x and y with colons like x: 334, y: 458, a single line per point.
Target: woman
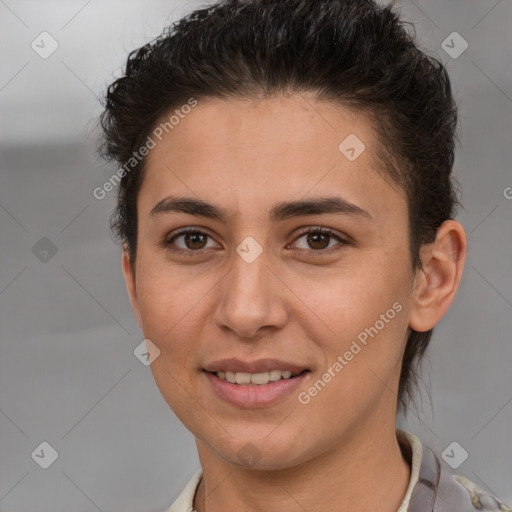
x: 286, y: 210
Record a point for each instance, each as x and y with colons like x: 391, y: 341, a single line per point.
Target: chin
x: 261, y: 453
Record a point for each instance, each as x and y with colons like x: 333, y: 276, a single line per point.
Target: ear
x: 435, y: 286
x: 129, y: 277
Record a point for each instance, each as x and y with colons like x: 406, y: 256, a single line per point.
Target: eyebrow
x: 279, y: 212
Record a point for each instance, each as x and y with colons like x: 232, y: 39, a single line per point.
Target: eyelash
x: 167, y: 243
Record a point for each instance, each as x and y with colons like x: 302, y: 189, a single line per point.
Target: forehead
x: 249, y: 150
x: 240, y: 123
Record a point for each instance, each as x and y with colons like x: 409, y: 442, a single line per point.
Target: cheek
x: 164, y: 294
x: 165, y: 303
x: 351, y: 298
x: 176, y: 308
x: 364, y: 320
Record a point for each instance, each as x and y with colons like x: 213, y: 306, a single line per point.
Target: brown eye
x: 195, y: 240
x: 192, y: 240
x: 319, y: 240
x: 316, y: 240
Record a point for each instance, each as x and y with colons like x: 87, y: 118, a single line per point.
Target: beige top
x: 184, y: 502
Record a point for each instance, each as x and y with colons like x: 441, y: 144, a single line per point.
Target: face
x: 250, y: 291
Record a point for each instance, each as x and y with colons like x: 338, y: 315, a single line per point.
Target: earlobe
x: 131, y: 287
x: 436, y: 285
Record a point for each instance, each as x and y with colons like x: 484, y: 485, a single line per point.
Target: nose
x: 252, y: 298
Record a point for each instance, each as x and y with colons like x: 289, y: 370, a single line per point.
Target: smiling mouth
x: 256, y: 379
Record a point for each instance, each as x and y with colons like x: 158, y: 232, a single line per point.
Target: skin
x: 294, y: 302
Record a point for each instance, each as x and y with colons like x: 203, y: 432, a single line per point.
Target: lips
x: 249, y: 396
x: 257, y: 379
x: 248, y: 384
x: 258, y: 366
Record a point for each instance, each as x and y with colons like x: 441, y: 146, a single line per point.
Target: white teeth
x: 254, y: 378
x: 259, y: 378
x: 275, y: 374
x: 242, y: 378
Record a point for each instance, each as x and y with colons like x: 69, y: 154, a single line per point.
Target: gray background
x: 68, y: 375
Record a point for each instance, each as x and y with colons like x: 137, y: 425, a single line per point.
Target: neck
x: 364, y: 472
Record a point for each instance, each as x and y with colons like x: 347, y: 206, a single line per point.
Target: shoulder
x: 440, y: 490
x: 480, y: 499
